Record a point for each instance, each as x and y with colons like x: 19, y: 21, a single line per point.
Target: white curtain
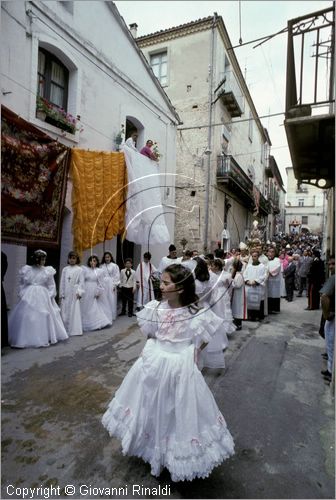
x: 145, y: 221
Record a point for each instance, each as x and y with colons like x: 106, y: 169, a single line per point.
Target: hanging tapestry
x: 98, y: 196
x: 33, y: 183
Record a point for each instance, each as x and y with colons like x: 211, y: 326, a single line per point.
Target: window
x: 158, y: 63
x: 301, y: 202
x: 304, y: 219
x: 53, y: 78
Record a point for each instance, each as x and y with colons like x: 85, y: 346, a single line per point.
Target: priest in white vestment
x: 273, y: 282
x: 143, y: 275
x: 255, y: 276
x: 170, y: 259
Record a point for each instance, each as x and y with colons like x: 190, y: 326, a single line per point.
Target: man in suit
x: 302, y: 271
x: 289, y: 276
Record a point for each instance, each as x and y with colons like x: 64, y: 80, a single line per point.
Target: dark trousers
x: 253, y: 314
x: 127, y: 298
x: 303, y: 285
x: 314, y: 296
x: 273, y: 304
x: 289, y: 284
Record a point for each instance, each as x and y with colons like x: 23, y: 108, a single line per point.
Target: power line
x: 229, y: 123
x: 263, y: 38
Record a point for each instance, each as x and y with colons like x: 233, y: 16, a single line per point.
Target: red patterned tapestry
x: 34, y: 171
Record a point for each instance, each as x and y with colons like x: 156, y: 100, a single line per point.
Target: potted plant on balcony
x: 50, y: 113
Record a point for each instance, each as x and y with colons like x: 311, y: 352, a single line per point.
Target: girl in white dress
x: 71, y: 291
x: 211, y: 290
x: 93, y: 316
x: 36, y: 321
x: 111, y: 279
x: 164, y: 412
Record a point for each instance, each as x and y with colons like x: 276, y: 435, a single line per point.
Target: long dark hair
x: 103, y: 258
x: 91, y: 258
x: 184, y: 280
x: 201, y: 270
x: 236, y: 267
x: 37, y: 256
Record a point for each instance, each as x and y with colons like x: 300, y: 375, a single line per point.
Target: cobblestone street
x: 276, y: 404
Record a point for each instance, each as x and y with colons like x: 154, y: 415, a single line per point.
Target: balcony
x: 310, y: 99
x: 264, y: 204
x: 275, y: 203
x: 229, y: 172
x: 233, y: 176
x: 231, y: 95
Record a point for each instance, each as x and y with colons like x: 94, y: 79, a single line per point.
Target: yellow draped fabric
x: 98, y: 196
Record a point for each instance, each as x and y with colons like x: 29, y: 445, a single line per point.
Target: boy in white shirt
x: 128, y: 287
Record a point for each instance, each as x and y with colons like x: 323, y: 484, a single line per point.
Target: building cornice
x: 175, y: 32
x: 196, y: 27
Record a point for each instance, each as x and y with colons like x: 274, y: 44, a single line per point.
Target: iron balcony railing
x: 230, y: 172
x: 310, y: 61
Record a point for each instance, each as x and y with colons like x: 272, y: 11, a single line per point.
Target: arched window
x: 53, y: 79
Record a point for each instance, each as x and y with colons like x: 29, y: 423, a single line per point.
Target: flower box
x: 55, y: 115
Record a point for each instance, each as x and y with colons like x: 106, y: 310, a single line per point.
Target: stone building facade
x: 222, y: 148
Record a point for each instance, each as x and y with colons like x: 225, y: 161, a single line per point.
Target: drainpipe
x: 208, y: 150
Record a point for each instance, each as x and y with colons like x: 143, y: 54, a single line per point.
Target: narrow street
x: 273, y: 397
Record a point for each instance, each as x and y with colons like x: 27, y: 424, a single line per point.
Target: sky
x: 264, y: 67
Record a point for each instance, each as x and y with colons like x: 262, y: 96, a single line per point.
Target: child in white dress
x: 71, y: 291
x: 93, y: 316
x: 164, y: 412
x: 36, y: 321
x: 211, y: 288
x: 111, y: 280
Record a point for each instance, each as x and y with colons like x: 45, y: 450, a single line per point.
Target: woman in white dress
x: 93, y: 316
x: 71, y: 291
x: 36, y: 321
x: 164, y: 412
x: 111, y: 280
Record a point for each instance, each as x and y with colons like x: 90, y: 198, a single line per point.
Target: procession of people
x: 203, y: 301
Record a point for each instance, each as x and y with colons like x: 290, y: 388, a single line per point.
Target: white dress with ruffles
x: 36, y: 321
x: 214, y: 295
x: 93, y: 316
x: 164, y: 412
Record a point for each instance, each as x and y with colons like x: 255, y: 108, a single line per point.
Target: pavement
x: 277, y: 406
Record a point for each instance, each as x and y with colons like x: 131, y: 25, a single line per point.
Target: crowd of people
x: 187, y: 308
